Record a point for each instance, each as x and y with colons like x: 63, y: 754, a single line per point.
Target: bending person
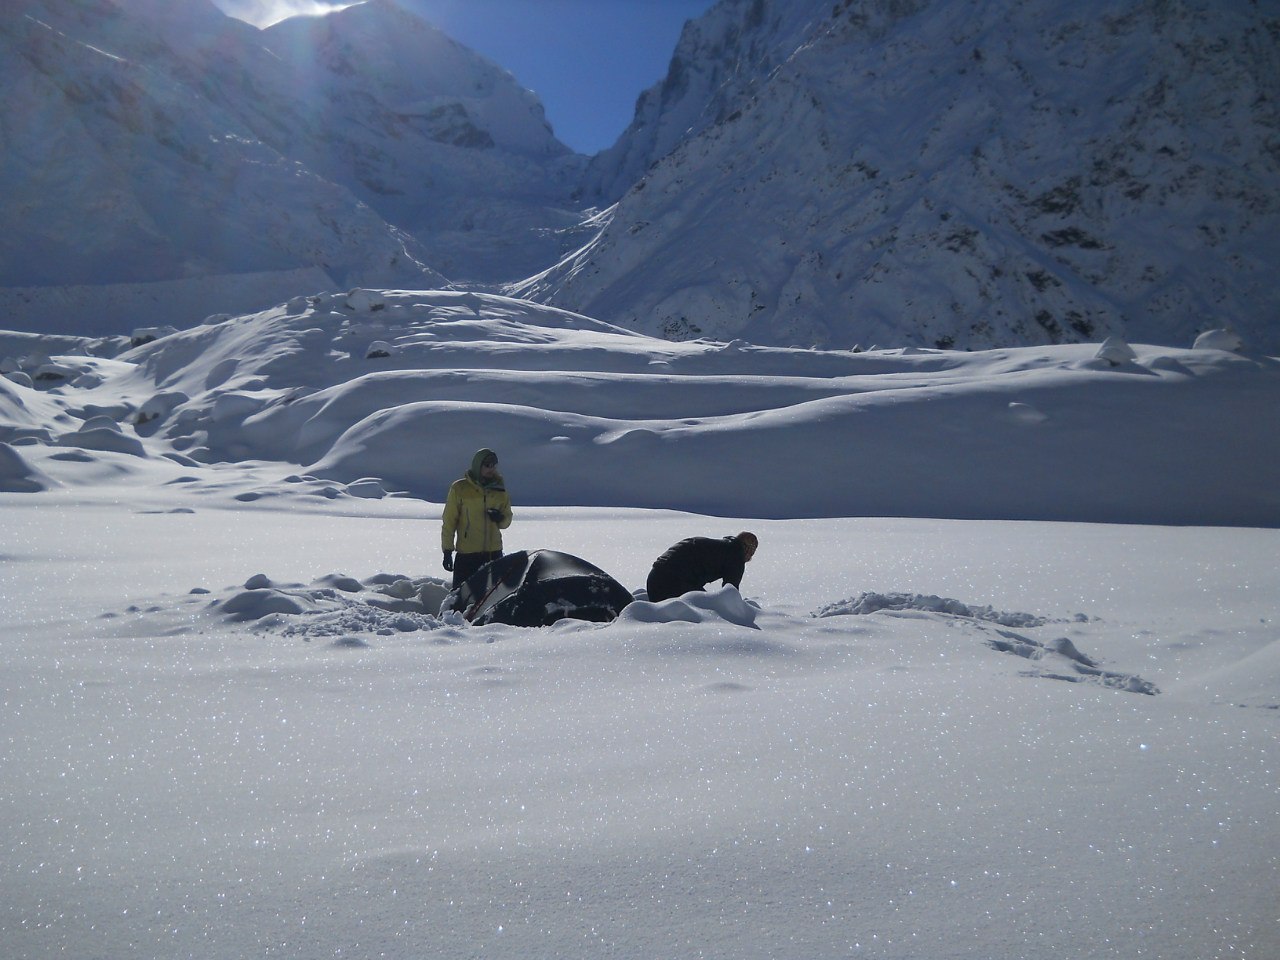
x: 693, y: 563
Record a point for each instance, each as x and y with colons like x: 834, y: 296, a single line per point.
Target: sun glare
x: 306, y: 8
x: 263, y: 13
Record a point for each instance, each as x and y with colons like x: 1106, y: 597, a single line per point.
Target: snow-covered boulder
x: 235, y: 405
x: 55, y: 373
x: 105, y: 439
x: 378, y: 350
x: 117, y: 411
x: 161, y: 405
x: 1219, y: 340
x: 368, y: 488
x: 148, y: 334
x: 101, y: 422
x: 1116, y: 352
x: 19, y: 476
x: 365, y: 301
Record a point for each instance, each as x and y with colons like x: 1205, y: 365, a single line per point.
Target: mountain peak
x: 918, y: 172
x: 945, y: 175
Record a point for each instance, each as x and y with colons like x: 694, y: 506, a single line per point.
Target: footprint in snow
x: 1056, y: 660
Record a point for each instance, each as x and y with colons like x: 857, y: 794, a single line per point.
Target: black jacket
x: 693, y: 563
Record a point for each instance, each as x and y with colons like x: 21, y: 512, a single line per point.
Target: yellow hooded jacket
x: 466, y: 526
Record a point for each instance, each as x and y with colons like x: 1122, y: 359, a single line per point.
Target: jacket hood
x: 473, y: 474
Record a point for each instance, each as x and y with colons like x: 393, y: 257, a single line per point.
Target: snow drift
x: 589, y: 414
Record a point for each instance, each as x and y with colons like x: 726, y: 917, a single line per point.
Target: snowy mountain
x: 947, y: 174
x: 137, y: 149
x: 720, y: 60
x: 154, y: 143
x: 964, y: 175
x: 437, y: 139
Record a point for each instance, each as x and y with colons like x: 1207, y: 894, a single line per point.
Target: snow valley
x: 950, y: 713
x: 966, y: 310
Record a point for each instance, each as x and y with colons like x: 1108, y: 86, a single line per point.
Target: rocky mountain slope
x: 947, y: 174
x: 136, y: 154
x: 720, y: 60
x: 156, y: 143
x: 435, y: 138
x: 831, y: 172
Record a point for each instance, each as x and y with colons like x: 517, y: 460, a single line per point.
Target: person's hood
x: 473, y: 474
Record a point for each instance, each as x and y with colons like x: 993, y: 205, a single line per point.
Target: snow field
x: 235, y: 726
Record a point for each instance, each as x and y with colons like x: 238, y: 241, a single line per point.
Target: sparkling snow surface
x: 235, y: 727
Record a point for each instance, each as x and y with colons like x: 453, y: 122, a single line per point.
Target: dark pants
x: 663, y: 585
x: 465, y: 564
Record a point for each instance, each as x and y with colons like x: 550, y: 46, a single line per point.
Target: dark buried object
x: 535, y: 588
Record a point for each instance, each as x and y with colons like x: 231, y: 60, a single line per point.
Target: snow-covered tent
x: 536, y: 588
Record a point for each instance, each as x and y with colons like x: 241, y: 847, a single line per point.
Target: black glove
x: 494, y: 514
x: 448, y: 560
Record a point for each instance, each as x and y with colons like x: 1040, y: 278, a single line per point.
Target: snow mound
x: 19, y: 476
x: 866, y: 603
x: 1116, y: 352
x: 336, y: 605
x: 1227, y: 340
x: 103, y: 438
x: 697, y: 606
x: 365, y: 301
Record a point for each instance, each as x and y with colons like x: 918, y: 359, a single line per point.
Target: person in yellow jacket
x: 476, y: 511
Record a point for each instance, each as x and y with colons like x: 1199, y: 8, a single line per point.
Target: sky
x: 588, y: 60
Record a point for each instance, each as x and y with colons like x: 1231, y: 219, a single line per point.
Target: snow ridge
x: 376, y: 392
